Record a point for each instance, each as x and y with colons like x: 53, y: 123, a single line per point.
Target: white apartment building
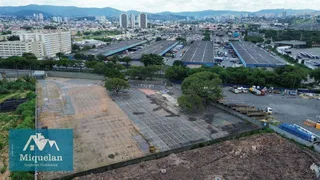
x: 17, y: 48
x: 40, y: 43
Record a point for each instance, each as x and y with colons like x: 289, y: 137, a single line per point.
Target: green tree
x: 316, y: 75
x: 91, y: 57
x: 31, y: 59
x: 21, y: 175
x: 178, y: 63
x: 127, y: 60
x: 101, y: 57
x: 79, y: 56
x: 116, y: 84
x: 190, y: 102
x: 60, y: 55
x: 115, y: 59
x: 151, y: 70
x: 75, y: 48
x: 63, y: 62
x: 206, y: 85
x: 151, y: 59
x: 13, y: 38
x: 99, y: 68
x: 176, y: 73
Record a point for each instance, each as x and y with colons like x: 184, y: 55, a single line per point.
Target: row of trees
x: 286, y: 76
x: 206, y: 35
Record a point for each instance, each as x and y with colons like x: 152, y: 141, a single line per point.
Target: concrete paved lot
x: 164, y: 126
x: 290, y: 109
x: 252, y: 54
x: 156, y: 48
x: 103, y: 133
x: 199, y: 51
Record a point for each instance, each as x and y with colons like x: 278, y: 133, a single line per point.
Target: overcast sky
x: 175, y: 5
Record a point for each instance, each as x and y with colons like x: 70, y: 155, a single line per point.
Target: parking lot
x: 163, y: 125
x: 289, y: 109
x: 103, y: 133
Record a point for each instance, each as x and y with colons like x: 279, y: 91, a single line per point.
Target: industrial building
x: 143, y: 21
x: 252, y: 56
x: 42, y: 43
x: 115, y: 48
x: 159, y: 48
x: 200, y: 53
x: 123, y: 21
x: 292, y: 43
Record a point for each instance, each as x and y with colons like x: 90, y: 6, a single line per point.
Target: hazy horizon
x: 156, y: 6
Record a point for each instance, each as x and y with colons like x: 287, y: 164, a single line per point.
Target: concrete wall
x: 75, y: 75
x: 237, y: 114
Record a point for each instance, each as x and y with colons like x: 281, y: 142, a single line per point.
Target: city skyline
x: 177, y: 5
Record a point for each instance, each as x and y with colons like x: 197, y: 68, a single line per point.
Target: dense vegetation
x: 22, y: 118
x: 311, y: 37
x: 254, y: 39
x: 101, y: 33
x: 287, y: 76
x: 206, y: 35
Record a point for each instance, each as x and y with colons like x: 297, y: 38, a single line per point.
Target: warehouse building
x: 253, y: 56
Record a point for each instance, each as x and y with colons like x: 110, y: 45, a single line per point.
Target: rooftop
x: 291, y: 42
x: 253, y: 56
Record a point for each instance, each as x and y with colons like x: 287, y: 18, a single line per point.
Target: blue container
x: 298, y: 131
x: 236, y: 34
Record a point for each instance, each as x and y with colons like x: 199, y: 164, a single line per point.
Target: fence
x: 237, y: 114
x: 77, y: 75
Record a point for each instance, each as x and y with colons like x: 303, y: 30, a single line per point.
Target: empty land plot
x: 164, y: 126
x: 253, y: 55
x: 263, y: 156
x: 103, y: 133
x: 199, y: 51
x: 156, y: 48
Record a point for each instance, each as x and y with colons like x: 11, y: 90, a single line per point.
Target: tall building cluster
x: 41, y: 44
x: 130, y: 22
x: 38, y: 17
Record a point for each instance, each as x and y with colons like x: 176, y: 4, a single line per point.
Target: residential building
x: 143, y: 21
x: 132, y: 21
x: 123, y: 21
x: 17, y: 48
x: 46, y: 43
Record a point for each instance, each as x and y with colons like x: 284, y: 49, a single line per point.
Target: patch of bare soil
x: 263, y: 156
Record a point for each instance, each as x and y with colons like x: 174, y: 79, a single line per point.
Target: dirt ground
x: 263, y: 156
x: 103, y: 133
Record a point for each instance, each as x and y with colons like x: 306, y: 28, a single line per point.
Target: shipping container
x: 298, y: 131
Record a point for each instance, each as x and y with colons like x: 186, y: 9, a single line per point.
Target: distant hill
x: 72, y: 11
